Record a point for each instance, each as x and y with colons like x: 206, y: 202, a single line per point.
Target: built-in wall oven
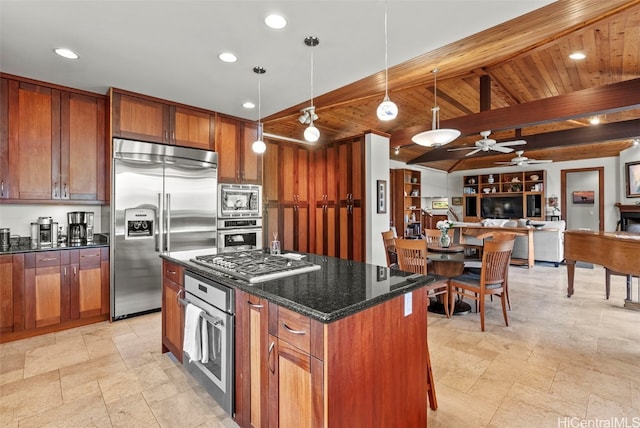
x: 217, y: 303
x: 239, y: 234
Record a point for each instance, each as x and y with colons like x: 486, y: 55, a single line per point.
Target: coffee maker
x: 47, y: 232
x: 80, y: 229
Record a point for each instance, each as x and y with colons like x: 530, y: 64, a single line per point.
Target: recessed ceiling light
x: 66, y: 53
x: 276, y: 22
x: 577, y: 55
x: 227, y: 57
x: 594, y: 120
x: 248, y: 104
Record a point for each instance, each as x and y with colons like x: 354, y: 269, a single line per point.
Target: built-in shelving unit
x: 407, y: 211
x: 527, y: 185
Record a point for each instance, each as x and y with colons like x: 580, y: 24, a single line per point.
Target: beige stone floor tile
x: 456, y: 409
x: 161, y: 392
x: 131, y: 412
x: 26, y: 397
x: 181, y: 410
x: 89, y: 371
x: 602, y: 408
x: 66, y: 352
x: 75, y: 392
x: 132, y: 381
x: 83, y: 412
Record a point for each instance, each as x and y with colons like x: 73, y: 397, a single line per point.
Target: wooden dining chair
x: 492, y: 280
x: 432, y: 236
x: 412, y: 257
x: 389, y: 240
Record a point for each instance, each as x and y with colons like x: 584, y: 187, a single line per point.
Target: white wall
x: 376, y: 168
x: 18, y: 217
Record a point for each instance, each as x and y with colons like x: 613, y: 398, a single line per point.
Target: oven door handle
x: 213, y: 320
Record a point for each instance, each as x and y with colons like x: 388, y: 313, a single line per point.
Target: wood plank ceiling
x: 525, y: 60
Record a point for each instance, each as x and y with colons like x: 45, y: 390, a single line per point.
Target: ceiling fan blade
x: 473, y: 152
x: 539, y: 161
x: 502, y: 149
x: 505, y: 163
x: 512, y: 143
x: 461, y: 148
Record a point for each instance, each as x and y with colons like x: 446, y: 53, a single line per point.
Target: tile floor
x: 561, y: 362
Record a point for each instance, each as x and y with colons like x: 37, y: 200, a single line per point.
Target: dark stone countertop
x: 22, y: 244
x: 339, y: 289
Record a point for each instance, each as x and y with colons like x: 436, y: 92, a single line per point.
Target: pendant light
x: 387, y: 110
x: 436, y: 137
x: 311, y: 134
x: 259, y: 146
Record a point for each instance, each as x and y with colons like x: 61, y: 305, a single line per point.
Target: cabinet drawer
x: 48, y: 258
x: 173, y: 272
x: 294, y: 329
x: 89, y: 258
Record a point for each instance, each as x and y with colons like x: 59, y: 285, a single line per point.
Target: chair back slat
x: 389, y: 245
x: 496, y: 256
x: 412, y: 255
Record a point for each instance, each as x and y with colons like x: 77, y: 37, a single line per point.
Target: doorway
x: 583, y: 198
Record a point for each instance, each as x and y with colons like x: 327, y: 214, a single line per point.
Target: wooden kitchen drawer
x: 294, y: 329
x: 48, y: 258
x: 89, y: 258
x: 173, y: 272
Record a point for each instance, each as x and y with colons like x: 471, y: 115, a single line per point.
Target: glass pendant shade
x: 311, y: 134
x: 259, y: 146
x: 387, y: 110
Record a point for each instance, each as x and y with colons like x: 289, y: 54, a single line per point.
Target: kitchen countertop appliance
x: 46, y: 232
x: 80, y: 227
x: 256, y: 266
x: 164, y: 199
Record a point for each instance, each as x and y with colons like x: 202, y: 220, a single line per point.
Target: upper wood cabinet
x: 237, y: 163
x: 143, y: 118
x: 55, y: 144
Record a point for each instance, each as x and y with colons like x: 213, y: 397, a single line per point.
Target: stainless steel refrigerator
x: 163, y: 200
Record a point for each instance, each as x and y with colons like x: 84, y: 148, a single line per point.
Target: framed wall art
x: 584, y: 197
x: 381, y: 187
x: 440, y: 205
x: 456, y: 200
x: 632, y: 171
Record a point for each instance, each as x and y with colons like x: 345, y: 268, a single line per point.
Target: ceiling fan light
x: 311, y: 134
x: 436, y: 137
x: 387, y: 110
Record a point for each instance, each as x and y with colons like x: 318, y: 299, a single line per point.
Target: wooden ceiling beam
x: 568, y: 137
x: 598, y: 100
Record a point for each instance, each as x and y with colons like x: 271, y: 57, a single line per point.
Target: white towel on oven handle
x: 192, y: 344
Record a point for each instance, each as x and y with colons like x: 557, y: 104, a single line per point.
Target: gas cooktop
x: 255, y: 266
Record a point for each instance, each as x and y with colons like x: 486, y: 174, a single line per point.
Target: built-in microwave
x: 239, y: 200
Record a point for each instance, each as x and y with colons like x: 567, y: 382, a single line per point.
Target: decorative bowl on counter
x: 534, y: 177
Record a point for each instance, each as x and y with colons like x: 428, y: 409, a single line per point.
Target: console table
x: 476, y: 231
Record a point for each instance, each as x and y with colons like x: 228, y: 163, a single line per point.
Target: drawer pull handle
x: 172, y: 272
x: 90, y: 255
x: 253, y: 305
x: 48, y: 260
x: 292, y: 331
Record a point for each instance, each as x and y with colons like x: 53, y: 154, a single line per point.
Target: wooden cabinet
x: 325, y: 201
x: 251, y: 360
x: 237, y: 163
x: 4, y: 138
x: 89, y: 281
x: 527, y: 187
x: 286, y: 196
x: 351, y: 199
x: 172, y: 309
x: 148, y: 119
x: 55, y: 144
x: 6, y: 294
x: 296, y: 370
x: 47, y: 288
x: 406, y: 202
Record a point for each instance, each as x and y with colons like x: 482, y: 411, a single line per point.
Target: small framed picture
x: 381, y: 274
x: 633, y: 179
x: 381, y: 187
x: 583, y: 197
x: 440, y: 205
x: 456, y: 200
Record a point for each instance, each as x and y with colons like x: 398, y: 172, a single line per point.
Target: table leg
x: 571, y: 270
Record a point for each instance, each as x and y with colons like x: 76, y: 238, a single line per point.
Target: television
x: 502, y: 207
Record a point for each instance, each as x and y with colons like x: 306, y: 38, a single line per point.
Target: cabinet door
x: 251, y: 167
x: 227, y: 136
x: 89, y: 277
x: 4, y: 139
x: 324, y: 173
x: 82, y: 170
x: 34, y: 141
x: 140, y: 119
x: 251, y: 360
x: 172, y: 310
x: 6, y: 293
x: 192, y: 128
x: 46, y: 289
x: 351, y: 200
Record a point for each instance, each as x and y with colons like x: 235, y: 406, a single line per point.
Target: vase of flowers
x: 444, y: 226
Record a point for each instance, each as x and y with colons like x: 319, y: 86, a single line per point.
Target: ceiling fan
x: 521, y: 160
x: 485, y: 144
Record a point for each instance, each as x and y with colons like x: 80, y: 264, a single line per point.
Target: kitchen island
x: 345, y: 345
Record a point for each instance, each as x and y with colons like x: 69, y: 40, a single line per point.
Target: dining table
x: 451, y: 262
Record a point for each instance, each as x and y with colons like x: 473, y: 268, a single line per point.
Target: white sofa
x: 548, y: 238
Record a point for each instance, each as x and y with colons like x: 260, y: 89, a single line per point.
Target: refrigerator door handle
x: 168, y: 222
x: 158, y: 231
